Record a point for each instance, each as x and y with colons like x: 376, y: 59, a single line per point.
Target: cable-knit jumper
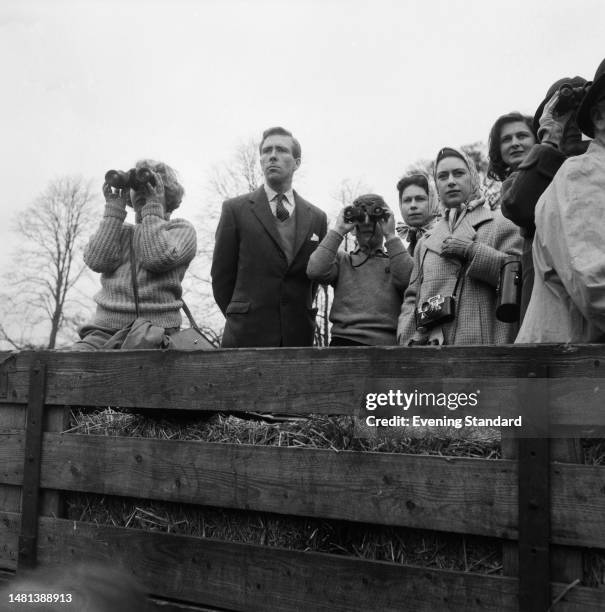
x: 163, y: 250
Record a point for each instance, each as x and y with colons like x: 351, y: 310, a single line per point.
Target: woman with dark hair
x: 148, y: 258
x: 451, y: 298
x: 419, y: 207
x: 510, y: 139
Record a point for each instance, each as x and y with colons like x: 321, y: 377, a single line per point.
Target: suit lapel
x: 304, y: 219
x: 262, y: 211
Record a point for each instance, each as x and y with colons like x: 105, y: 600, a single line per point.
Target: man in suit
x: 263, y: 243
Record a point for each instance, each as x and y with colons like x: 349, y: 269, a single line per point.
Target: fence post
x: 31, y: 467
x: 534, y: 495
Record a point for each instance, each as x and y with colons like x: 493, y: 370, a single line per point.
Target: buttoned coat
x: 568, y: 300
x: 475, y: 321
x: 266, y: 300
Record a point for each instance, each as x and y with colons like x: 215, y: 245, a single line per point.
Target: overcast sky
x: 367, y: 87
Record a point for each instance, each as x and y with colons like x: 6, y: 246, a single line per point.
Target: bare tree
x: 53, y: 231
x: 240, y: 174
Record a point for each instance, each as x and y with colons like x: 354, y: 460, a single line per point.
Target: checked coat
x: 475, y: 321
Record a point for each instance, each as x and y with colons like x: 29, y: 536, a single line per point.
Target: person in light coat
x: 462, y: 258
x: 568, y: 298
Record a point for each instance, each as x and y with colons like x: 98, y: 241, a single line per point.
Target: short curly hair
x: 497, y: 169
x: 173, y: 190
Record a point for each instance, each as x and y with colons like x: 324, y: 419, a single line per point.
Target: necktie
x: 281, y: 212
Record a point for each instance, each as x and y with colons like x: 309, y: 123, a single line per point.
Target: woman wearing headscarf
x: 451, y: 298
x: 419, y: 206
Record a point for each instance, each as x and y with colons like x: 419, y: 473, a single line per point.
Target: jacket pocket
x: 238, y: 307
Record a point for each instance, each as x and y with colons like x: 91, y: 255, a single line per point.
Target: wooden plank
x: 449, y: 494
x: 567, y: 563
x: 244, y: 577
x: 31, y: 470
x: 323, y: 381
x: 463, y: 495
x: 510, y: 550
x: 247, y: 577
x: 55, y: 419
x: 10, y: 524
x: 12, y: 417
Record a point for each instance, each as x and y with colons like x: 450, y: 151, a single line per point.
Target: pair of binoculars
x: 570, y: 97
x: 357, y: 213
x: 135, y: 178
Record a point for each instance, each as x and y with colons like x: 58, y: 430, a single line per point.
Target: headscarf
x: 476, y: 197
x: 435, y: 210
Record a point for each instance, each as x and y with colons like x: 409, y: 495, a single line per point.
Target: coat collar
x: 302, y: 214
x: 466, y: 229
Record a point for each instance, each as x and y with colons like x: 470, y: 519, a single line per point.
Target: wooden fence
x: 495, y: 498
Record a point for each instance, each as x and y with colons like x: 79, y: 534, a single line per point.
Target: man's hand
x: 458, y: 248
x: 119, y: 196
x: 553, y: 125
x: 388, y: 225
x: 340, y: 225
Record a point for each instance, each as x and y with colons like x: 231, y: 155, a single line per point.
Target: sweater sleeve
x: 323, y: 263
x: 400, y: 262
x: 165, y: 245
x: 103, y: 252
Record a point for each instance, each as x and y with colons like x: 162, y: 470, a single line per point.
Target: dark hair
x: 497, y: 169
x: 370, y: 199
x: 280, y: 131
x: 412, y: 179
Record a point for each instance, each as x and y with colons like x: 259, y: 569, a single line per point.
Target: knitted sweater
x: 163, y: 250
x: 367, y: 297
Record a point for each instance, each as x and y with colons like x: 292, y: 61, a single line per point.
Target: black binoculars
x: 134, y: 178
x: 357, y: 213
x: 509, y: 290
x: 570, y: 97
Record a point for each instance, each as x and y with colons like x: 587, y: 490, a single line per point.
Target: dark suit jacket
x: 266, y: 301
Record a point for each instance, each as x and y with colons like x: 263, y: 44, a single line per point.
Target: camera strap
x: 135, y: 291
x: 421, y: 278
x: 133, y: 274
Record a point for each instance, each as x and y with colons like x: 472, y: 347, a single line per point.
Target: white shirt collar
x: 288, y: 202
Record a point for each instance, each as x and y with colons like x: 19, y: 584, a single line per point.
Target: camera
x: 570, y: 97
x: 509, y: 290
x: 135, y: 178
x: 357, y: 212
x: 435, y: 310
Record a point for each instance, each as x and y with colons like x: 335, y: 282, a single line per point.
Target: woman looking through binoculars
x: 149, y: 258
